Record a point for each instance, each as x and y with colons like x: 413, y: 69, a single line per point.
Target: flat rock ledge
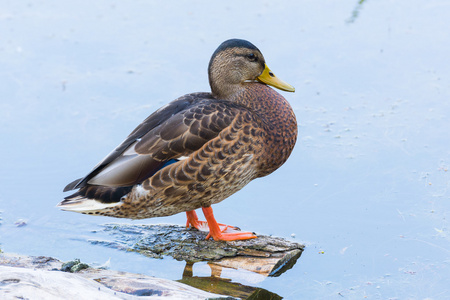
x: 265, y: 255
x: 31, y: 277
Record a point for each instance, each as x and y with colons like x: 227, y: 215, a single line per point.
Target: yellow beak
x: 269, y: 78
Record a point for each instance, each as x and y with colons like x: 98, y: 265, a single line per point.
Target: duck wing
x: 175, y: 130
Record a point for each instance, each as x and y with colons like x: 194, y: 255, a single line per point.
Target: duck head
x: 237, y: 63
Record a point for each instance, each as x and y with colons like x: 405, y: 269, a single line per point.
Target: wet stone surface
x: 73, y: 266
x: 157, y: 241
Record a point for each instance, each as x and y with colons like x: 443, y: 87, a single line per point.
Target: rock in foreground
x: 27, y: 277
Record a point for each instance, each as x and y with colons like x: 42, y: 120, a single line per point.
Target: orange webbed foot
x: 218, y: 231
x: 232, y: 236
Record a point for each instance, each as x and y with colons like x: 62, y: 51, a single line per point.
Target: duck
x: 197, y: 150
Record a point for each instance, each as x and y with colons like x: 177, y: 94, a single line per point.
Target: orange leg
x: 192, y: 220
x: 218, y: 234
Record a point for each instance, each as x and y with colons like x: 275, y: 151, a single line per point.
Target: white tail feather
x: 83, y: 205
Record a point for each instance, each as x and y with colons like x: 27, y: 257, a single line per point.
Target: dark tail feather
x: 102, y: 194
x: 72, y: 185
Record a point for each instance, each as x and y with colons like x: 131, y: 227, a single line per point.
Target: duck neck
x: 227, y: 91
x: 225, y: 83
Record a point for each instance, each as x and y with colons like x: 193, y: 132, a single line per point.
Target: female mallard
x: 197, y: 150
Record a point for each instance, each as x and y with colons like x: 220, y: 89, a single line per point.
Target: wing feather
x: 174, y: 131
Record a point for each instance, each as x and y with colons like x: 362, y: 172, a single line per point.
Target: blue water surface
x: 366, y: 188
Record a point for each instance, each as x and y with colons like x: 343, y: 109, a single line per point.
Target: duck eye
x: 252, y: 57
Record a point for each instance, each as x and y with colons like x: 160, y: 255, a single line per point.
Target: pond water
x: 366, y: 188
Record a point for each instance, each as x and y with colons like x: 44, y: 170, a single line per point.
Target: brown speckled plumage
x: 197, y: 150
